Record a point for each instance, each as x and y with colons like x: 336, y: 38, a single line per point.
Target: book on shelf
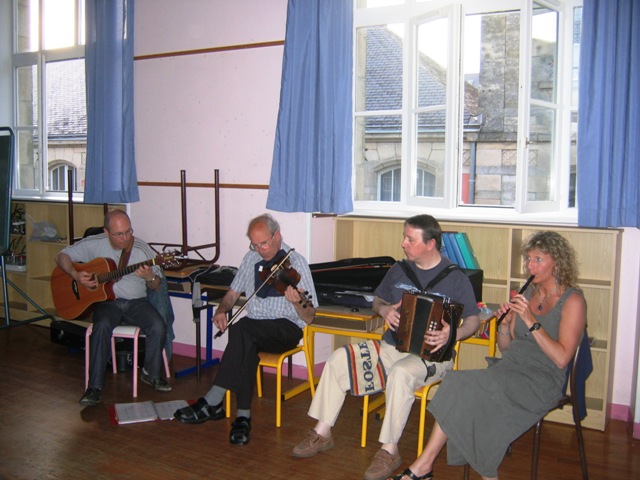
x: 455, y: 255
x: 468, y: 254
x: 443, y: 248
x: 148, y: 411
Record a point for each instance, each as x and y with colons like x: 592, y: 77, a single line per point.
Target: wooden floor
x: 46, y: 434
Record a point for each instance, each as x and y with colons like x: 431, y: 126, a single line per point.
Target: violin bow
x: 274, y: 269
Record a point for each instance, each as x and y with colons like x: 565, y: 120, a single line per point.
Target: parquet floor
x: 46, y: 434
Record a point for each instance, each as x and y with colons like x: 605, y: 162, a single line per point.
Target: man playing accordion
x: 404, y: 371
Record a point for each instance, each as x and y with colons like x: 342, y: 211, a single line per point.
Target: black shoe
x: 199, y: 412
x: 91, y: 397
x: 240, y: 429
x: 159, y: 384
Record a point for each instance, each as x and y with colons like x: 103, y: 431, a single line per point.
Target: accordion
x: 420, y: 313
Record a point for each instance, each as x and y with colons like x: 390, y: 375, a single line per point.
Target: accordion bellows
x: 420, y: 313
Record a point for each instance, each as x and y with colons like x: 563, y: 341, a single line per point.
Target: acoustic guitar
x: 73, y: 300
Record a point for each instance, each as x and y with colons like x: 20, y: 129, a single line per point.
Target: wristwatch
x: 535, y: 326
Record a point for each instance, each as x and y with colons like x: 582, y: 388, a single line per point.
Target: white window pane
x: 67, y: 115
x: 544, y: 55
x: 379, y: 65
x: 27, y: 28
x: 540, y: 163
x: 425, y: 183
x: 27, y: 156
x: 574, y: 160
x: 433, y: 53
x: 28, y: 104
x: 431, y: 153
x: 491, y: 44
x: 575, y: 50
x: 379, y: 3
x: 59, y: 19
x: 377, y: 143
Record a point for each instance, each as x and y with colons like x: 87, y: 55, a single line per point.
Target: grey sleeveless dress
x: 484, y: 411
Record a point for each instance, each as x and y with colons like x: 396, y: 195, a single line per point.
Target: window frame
x: 40, y: 58
x: 550, y: 212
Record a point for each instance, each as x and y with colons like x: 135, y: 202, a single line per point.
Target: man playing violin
x: 274, y: 323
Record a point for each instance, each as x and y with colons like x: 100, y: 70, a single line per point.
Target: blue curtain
x: 609, y: 121
x: 311, y: 170
x: 111, y: 171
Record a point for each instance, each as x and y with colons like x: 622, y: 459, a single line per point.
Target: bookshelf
x: 34, y: 276
x: 497, y: 248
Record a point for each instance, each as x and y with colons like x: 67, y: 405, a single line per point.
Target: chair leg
x: 466, y: 471
x: 365, y: 421
x: 135, y: 362
x: 166, y: 364
x: 583, y: 456
x: 259, y: 381
x: 279, y: 393
x: 536, y: 450
x: 227, y: 407
x: 423, y: 418
x: 310, y: 373
x: 113, y: 355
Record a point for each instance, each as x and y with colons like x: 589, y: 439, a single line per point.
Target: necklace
x: 542, y: 300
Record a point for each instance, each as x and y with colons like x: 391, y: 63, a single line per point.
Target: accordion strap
x: 414, y: 278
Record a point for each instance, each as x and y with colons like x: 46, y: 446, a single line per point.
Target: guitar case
x: 69, y: 334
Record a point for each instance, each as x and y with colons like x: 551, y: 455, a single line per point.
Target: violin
x: 281, y: 276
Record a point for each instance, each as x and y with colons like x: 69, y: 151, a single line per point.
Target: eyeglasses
x: 261, y: 245
x: 121, y: 234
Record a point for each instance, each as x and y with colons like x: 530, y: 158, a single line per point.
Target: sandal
x: 412, y: 476
x: 240, y: 429
x: 199, y: 412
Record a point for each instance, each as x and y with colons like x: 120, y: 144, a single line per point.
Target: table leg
x: 209, y: 360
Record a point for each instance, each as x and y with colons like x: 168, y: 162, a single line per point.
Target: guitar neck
x: 121, y: 272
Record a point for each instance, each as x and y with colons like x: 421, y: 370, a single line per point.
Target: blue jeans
x: 138, y: 312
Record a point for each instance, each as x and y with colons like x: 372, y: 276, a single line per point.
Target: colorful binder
x: 443, y: 249
x: 468, y: 255
x: 455, y: 255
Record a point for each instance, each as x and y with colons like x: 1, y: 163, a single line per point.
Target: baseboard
x: 186, y: 350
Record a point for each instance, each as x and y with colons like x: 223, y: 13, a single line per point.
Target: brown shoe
x: 312, y: 444
x: 383, y: 465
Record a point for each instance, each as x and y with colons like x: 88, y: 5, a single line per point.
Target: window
x: 50, y: 108
x: 389, y: 184
x: 476, y: 100
x: 59, y: 178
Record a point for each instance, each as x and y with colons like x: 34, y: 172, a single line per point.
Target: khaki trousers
x: 405, y: 373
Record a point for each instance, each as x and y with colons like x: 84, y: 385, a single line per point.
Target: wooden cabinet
x: 497, y: 247
x: 40, y: 250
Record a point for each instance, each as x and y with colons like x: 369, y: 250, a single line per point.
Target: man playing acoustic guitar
x: 130, y: 305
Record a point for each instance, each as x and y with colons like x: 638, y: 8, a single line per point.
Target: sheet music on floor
x: 148, y: 411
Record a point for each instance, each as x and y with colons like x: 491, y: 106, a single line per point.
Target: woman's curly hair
x: 563, y: 254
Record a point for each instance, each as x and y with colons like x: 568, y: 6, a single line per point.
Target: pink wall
x: 218, y: 110
x: 207, y: 111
